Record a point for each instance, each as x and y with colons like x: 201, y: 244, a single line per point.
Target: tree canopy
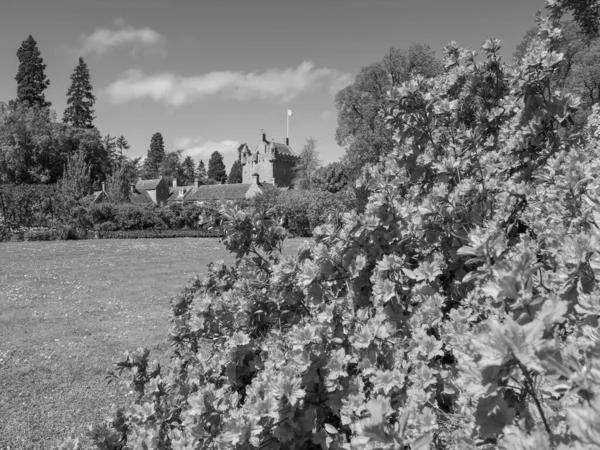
x: 156, y: 155
x: 579, y: 69
x: 235, y: 174
x: 307, y: 165
x: 216, y: 168
x: 361, y: 125
x: 201, y: 170
x: 31, y: 76
x: 188, y: 171
x: 80, y: 99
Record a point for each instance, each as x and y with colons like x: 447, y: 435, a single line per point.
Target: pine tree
x: 80, y: 100
x: 156, y: 155
x: 31, y: 78
x: 216, y: 168
x: 188, y: 170
x: 201, y: 170
x: 235, y: 175
x: 122, y: 144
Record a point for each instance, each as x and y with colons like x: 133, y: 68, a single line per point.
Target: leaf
x: 422, y: 443
x: 331, y: 429
x: 492, y: 415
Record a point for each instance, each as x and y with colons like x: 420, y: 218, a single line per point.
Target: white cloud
x: 171, y: 89
x: 199, y: 148
x: 103, y: 40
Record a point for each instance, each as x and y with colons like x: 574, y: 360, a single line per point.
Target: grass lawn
x: 68, y: 310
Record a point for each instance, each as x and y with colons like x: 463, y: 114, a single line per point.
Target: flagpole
x: 287, y: 133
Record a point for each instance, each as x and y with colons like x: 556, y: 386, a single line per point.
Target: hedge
x: 157, y: 234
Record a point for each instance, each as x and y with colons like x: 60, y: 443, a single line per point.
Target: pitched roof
x: 284, y: 149
x: 147, y: 184
x: 140, y: 198
x: 175, y: 192
x: 218, y: 192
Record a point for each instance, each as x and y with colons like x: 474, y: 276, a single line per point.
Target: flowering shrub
x: 302, y: 210
x: 460, y: 310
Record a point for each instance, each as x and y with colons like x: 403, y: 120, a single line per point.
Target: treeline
x: 35, y: 147
x: 27, y: 210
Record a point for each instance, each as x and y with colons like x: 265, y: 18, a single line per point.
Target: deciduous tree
x: 118, y: 184
x: 171, y: 166
x: 307, y: 165
x: 579, y: 69
x: 76, y: 181
x: 585, y: 12
x: 361, y: 126
x: 332, y: 177
x: 80, y: 99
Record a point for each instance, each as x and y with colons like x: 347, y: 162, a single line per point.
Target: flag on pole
x: 290, y: 112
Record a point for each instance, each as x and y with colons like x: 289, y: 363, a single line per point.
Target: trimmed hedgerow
x: 156, y: 234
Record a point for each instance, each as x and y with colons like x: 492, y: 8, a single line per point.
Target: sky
x: 211, y: 74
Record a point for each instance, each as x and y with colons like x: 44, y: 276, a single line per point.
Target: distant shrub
x: 158, y: 234
x: 301, y: 211
x: 40, y: 235
x: 29, y: 205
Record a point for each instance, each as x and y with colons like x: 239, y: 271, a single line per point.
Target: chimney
x: 263, y: 135
x: 196, y: 182
x: 103, y: 186
x: 255, y: 178
x: 174, y: 182
x: 132, y: 187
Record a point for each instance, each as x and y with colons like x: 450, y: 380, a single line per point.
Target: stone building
x: 272, y: 161
x: 147, y: 192
x: 201, y: 194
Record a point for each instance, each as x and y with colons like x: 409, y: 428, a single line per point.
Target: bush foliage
x: 301, y: 211
x: 460, y: 310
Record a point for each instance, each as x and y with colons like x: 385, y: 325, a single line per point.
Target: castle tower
x: 272, y: 161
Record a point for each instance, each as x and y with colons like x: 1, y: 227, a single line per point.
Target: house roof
x: 147, y: 184
x: 175, y: 192
x: 218, y: 192
x: 140, y: 198
x: 284, y: 149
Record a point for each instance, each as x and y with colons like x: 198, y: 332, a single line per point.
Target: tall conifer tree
x: 216, y: 167
x: 235, y: 174
x: 80, y: 100
x: 31, y: 78
x: 201, y: 170
x: 156, y: 155
x: 188, y: 170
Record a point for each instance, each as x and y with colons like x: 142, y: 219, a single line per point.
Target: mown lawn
x: 68, y: 310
